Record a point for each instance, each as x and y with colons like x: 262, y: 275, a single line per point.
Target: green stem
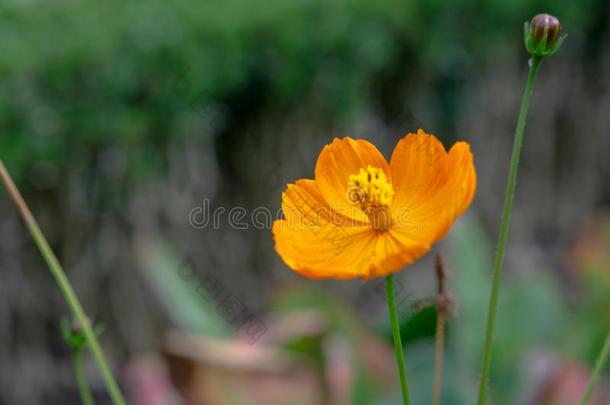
x: 600, y: 363
x: 503, y: 237
x: 64, y: 285
x: 400, y: 358
x: 81, y: 378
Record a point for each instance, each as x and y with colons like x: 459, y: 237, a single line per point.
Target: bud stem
x: 504, y: 227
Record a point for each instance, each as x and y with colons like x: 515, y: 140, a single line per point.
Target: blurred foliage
x: 188, y: 300
x: 78, y: 77
x: 533, y: 314
x: 344, y: 322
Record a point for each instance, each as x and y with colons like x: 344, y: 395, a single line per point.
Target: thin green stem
x: 81, y: 378
x: 600, y: 363
x: 503, y: 237
x: 400, y: 358
x: 64, y: 285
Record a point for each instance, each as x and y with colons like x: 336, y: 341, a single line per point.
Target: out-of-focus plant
x: 64, y: 285
x: 600, y: 363
x: 443, y: 306
x: 182, y: 292
x: 77, y: 341
x: 590, y: 263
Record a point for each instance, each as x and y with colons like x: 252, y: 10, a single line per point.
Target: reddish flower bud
x: 543, y: 35
x: 545, y: 24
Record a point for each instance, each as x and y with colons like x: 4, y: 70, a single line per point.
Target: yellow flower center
x: 373, y: 193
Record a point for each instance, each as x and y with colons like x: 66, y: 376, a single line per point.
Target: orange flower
x: 362, y: 217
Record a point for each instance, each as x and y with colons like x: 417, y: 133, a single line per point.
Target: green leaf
x: 180, y: 291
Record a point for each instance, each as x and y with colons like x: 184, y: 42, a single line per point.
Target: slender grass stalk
x: 63, y: 284
x: 442, y: 304
x: 81, y: 378
x: 438, y: 358
x: 504, y: 227
x: 400, y: 358
x: 600, y: 363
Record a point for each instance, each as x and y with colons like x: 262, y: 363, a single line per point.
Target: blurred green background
x: 119, y: 118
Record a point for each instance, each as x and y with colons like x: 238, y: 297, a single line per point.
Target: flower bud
x: 542, y: 35
x: 75, y: 336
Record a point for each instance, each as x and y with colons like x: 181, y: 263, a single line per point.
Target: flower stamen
x: 373, y: 193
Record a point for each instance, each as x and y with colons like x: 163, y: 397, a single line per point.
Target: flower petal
x: 463, y: 177
x: 434, y: 187
x: 395, y: 249
x: 318, y: 242
x: 339, y: 160
x: 418, y: 168
x: 454, y: 197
